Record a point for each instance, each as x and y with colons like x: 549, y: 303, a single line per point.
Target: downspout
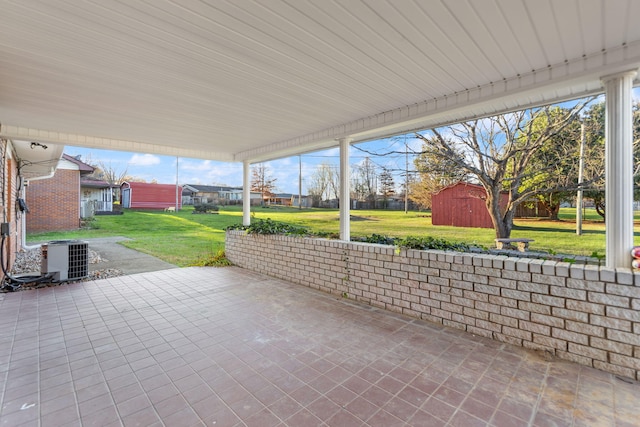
x: 57, y: 152
x: 23, y: 214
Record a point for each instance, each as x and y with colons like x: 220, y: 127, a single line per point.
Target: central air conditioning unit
x: 65, y: 259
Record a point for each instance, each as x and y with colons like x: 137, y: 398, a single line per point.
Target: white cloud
x: 144, y: 160
x: 195, y: 165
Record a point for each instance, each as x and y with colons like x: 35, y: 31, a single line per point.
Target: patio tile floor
x: 228, y: 347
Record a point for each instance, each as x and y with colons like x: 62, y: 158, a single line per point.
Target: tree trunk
x: 501, y: 224
x: 600, y: 209
x: 553, y: 211
x: 552, y: 208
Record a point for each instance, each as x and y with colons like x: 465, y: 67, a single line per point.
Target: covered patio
x: 249, y: 81
x: 244, y: 81
x: 228, y: 347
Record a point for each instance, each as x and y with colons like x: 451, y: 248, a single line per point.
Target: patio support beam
x: 345, y: 193
x: 246, y: 193
x: 619, y: 168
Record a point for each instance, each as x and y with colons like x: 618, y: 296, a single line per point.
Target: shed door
x: 126, y: 197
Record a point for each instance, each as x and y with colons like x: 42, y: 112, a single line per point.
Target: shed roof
x: 147, y: 185
x: 96, y: 183
x: 208, y: 188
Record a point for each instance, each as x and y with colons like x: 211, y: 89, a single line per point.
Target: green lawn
x: 186, y: 239
x: 556, y: 236
x: 180, y: 238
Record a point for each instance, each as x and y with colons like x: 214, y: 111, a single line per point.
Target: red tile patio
x: 227, y: 347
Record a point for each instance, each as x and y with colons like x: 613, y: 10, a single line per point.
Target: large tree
x: 111, y: 174
x: 262, y: 181
x: 387, y: 186
x: 365, y: 179
x: 552, y: 173
x: 595, y: 120
x: 497, y: 151
x: 103, y: 171
x: 433, y: 173
x: 323, y: 183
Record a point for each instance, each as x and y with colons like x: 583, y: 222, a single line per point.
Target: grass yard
x: 185, y: 239
x: 552, y: 236
x: 180, y: 238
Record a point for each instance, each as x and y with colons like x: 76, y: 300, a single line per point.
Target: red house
x: 142, y: 195
x: 461, y: 205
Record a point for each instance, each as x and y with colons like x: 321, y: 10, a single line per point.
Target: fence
x: 88, y: 208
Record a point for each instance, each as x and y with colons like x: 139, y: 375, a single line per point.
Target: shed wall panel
x: 152, y: 196
x: 461, y: 205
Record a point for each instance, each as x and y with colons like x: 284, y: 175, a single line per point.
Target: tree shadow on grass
x: 562, y: 230
x: 556, y: 230
x: 362, y: 218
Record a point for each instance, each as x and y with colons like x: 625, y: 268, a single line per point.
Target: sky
x: 286, y: 171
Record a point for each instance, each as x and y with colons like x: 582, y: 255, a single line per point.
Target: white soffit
x: 253, y: 80
x: 37, y: 160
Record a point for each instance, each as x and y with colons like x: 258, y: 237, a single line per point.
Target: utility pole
x: 177, y: 186
x: 300, y: 182
x: 580, y: 180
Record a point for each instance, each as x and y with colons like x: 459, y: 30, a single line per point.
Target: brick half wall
x: 586, y: 314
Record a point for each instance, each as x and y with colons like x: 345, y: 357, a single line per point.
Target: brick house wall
x: 54, y: 203
x: 10, y: 213
x: 582, y: 313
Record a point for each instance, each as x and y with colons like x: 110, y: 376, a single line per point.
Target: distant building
x: 287, y: 199
x: 194, y: 194
x: 96, y: 196
x: 464, y: 205
x: 461, y: 205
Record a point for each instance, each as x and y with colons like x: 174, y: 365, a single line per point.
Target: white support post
x: 580, y: 181
x: 246, y: 193
x: 619, y: 168
x: 345, y: 190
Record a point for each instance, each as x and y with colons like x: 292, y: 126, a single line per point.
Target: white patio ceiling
x: 251, y: 80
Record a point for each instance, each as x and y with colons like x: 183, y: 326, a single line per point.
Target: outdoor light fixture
x: 37, y: 144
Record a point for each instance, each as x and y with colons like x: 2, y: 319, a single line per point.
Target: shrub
x: 422, y: 243
x: 89, y: 223
x: 376, y: 238
x: 219, y: 259
x: 268, y: 226
x: 205, y: 208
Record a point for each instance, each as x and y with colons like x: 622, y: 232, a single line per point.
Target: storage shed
x: 461, y: 205
x: 142, y: 195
